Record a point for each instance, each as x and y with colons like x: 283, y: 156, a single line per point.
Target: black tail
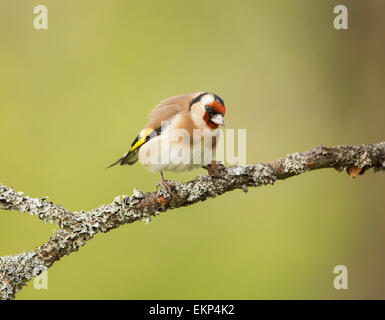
x: 128, y: 158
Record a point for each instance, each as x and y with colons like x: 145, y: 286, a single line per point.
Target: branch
x: 76, y: 228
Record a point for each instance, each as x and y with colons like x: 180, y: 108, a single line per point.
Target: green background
x: 74, y: 96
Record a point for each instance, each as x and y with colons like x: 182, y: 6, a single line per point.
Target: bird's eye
x: 208, y: 108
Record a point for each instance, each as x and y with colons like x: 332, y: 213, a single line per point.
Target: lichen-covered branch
x: 76, y: 228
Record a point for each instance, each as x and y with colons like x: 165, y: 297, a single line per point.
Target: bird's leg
x: 164, y: 183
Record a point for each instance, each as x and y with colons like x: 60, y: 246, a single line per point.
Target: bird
x: 197, y: 115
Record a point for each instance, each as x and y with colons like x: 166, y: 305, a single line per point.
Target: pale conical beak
x: 218, y: 119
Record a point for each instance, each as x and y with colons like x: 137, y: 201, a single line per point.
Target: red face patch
x: 206, y: 118
x: 217, y: 107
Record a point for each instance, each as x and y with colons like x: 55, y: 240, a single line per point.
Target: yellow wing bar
x: 142, y: 138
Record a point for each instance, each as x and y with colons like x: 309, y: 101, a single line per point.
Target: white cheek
x: 200, y: 109
x: 198, y: 119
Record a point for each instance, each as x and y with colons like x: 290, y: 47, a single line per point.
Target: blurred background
x: 74, y: 96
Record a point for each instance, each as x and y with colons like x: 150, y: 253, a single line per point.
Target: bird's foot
x: 214, y: 168
x: 164, y: 184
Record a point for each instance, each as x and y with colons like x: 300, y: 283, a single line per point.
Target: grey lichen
x: 263, y: 174
x: 46, y: 211
x: 237, y: 171
x: 363, y: 160
x: 294, y: 163
x: 137, y: 194
x: 16, y: 270
x: 203, y: 185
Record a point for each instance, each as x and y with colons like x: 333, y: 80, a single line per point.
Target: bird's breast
x: 177, y: 152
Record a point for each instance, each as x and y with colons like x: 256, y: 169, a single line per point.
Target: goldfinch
x: 162, y: 144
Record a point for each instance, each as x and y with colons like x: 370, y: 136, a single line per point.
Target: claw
x: 214, y: 169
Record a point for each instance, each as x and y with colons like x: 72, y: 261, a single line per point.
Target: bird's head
x: 208, y: 110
